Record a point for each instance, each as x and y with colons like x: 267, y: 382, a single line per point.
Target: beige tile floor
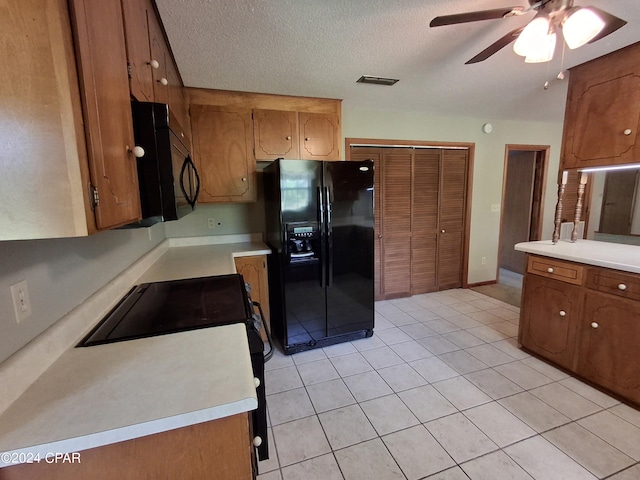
x: 441, y: 392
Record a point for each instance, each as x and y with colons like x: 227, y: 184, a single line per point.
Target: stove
x: 162, y: 308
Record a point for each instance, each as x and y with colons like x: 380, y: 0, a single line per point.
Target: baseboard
x: 482, y: 284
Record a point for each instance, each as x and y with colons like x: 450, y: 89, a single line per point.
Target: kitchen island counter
x: 601, y: 254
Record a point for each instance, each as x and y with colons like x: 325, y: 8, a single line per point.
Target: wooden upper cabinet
x: 178, y: 104
x: 101, y: 52
x: 222, y: 141
x: 136, y: 28
x: 602, y: 118
x: 320, y: 136
x: 159, y: 53
x: 43, y: 159
x: 153, y: 75
x: 275, y: 134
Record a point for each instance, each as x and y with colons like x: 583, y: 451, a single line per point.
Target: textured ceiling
x: 320, y: 48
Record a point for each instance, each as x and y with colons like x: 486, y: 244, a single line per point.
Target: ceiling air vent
x: 377, y: 80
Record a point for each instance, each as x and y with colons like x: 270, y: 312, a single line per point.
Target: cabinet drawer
x: 616, y: 283
x: 556, y: 269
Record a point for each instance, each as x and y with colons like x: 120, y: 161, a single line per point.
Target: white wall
x: 488, y: 165
x: 61, y: 274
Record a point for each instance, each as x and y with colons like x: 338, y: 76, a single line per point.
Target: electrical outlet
x: 483, y: 260
x: 21, y: 301
x: 211, y: 222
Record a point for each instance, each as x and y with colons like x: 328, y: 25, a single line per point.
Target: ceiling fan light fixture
x: 543, y: 51
x: 534, y: 37
x: 580, y: 26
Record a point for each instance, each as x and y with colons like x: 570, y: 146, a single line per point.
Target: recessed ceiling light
x: 377, y: 80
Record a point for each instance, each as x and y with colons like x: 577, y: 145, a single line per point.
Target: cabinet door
x: 319, y: 136
x: 222, y: 139
x: 276, y: 134
x: 160, y: 53
x: 452, y: 213
x: 396, y: 221
x: 602, y: 118
x: 178, y: 103
x: 424, y: 221
x: 608, y: 348
x: 550, y: 313
x: 43, y: 158
x: 136, y: 28
x: 100, y: 47
x: 254, y: 271
x: 218, y: 449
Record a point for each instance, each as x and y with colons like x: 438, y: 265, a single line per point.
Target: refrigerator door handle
x: 321, y: 212
x: 329, y: 229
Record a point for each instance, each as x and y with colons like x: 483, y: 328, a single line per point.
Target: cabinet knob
x: 628, y: 132
x: 550, y: 269
x: 306, y: 139
x: 379, y: 236
x: 244, y: 179
x: 442, y: 231
x: 257, y: 441
x: 256, y: 381
x: 594, y: 324
x: 288, y: 137
x: 164, y: 81
x: 563, y: 313
x: 154, y: 64
x: 138, y: 151
x: 622, y: 286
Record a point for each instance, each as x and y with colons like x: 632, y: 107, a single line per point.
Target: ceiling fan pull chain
x: 561, y: 74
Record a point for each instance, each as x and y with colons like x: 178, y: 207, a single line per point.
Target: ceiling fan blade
x: 612, y: 23
x: 473, y: 16
x: 496, y: 46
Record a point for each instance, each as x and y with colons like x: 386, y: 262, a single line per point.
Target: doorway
x: 620, y: 189
x: 525, y: 168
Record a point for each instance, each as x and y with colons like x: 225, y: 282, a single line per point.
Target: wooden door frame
x: 471, y: 147
x: 543, y: 152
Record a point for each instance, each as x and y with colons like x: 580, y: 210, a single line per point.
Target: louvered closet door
x: 424, y: 224
x: 396, y: 221
x: 453, y: 187
x: 375, y: 154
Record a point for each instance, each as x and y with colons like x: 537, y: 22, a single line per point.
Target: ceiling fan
x: 537, y: 40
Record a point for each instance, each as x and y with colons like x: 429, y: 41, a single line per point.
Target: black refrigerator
x: 319, y: 220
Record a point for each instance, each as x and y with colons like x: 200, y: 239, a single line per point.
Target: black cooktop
x: 168, y: 307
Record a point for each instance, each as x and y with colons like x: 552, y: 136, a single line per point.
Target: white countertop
x: 94, y: 396
x: 602, y: 254
x: 104, y: 394
x: 200, y: 261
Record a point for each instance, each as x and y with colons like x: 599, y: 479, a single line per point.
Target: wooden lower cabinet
x: 254, y: 271
x: 586, y: 320
x: 218, y: 450
x: 608, y: 344
x: 550, y: 315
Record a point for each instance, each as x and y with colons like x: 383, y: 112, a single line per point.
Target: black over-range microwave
x: 168, y: 179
